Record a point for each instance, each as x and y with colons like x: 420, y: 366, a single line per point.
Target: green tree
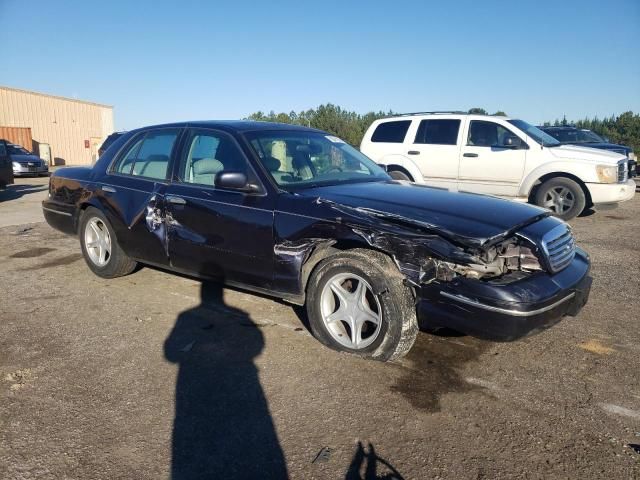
x: 478, y: 111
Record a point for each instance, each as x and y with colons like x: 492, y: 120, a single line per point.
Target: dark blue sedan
x: 298, y: 214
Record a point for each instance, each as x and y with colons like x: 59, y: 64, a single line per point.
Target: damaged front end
x: 500, y: 287
x: 425, y: 252
x: 511, y: 255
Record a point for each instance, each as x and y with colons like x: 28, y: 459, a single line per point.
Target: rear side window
x: 391, y: 132
x: 149, y: 155
x: 3, y: 150
x: 438, y: 132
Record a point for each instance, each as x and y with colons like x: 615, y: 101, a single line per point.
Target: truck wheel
x: 358, y: 303
x: 562, y: 196
x: 400, y: 175
x: 100, y: 247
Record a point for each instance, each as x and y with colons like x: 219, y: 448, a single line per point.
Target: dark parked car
x: 6, y: 170
x: 24, y: 163
x: 298, y: 214
x: 568, y: 135
x: 108, y: 141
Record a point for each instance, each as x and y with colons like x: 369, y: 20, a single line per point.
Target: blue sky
x: 166, y: 61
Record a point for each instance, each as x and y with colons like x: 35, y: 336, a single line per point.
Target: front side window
x: 391, y: 132
x: 308, y: 159
x: 149, y: 155
x: 438, y: 132
x: 208, y: 153
x: 487, y: 134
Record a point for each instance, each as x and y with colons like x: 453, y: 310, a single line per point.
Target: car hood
x: 25, y: 158
x: 607, y: 146
x: 464, y: 218
x: 593, y: 155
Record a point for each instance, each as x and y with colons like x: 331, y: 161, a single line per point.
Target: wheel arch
x: 325, y: 252
x: 403, y: 164
x: 537, y: 183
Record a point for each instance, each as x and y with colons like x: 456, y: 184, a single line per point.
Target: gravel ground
x: 154, y: 375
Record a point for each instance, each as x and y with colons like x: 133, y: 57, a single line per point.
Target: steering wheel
x: 334, y: 169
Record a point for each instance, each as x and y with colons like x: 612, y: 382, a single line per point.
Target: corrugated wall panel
x: 18, y: 135
x: 63, y: 123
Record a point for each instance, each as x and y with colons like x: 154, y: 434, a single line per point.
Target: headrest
x: 272, y: 163
x: 207, y: 166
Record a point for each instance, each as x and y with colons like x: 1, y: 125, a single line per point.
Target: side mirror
x: 511, y: 141
x: 234, y: 181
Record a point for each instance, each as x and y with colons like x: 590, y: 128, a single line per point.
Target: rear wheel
x: 400, y: 175
x: 562, y: 196
x: 357, y: 303
x: 100, y: 248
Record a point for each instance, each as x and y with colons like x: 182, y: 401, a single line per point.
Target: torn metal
x: 423, y: 252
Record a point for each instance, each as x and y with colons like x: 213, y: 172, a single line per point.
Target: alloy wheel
x: 97, y: 241
x: 351, y: 312
x: 559, y: 200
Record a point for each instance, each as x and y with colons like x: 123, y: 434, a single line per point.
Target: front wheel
x: 357, y: 303
x: 100, y: 248
x: 562, y: 196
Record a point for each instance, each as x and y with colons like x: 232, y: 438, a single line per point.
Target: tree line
x: 351, y: 126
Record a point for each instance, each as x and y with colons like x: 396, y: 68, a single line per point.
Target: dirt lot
x: 154, y: 374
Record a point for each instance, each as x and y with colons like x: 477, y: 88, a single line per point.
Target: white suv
x: 498, y: 156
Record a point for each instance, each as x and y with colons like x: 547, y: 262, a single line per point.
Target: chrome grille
x: 622, y: 171
x: 559, y: 247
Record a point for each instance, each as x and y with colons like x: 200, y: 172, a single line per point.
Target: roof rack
x: 439, y: 112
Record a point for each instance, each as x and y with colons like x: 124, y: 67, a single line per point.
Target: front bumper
x: 23, y: 170
x: 611, y: 193
x: 506, y: 311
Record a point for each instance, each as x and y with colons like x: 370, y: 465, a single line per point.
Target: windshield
x: 309, y: 159
x: 535, y: 133
x: 576, y: 136
x: 17, y: 150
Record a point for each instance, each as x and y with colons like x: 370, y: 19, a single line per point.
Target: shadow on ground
x: 367, y: 465
x: 13, y: 192
x: 222, y: 426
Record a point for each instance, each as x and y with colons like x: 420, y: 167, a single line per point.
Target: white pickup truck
x: 498, y: 156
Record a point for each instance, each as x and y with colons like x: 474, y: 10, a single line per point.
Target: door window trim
x: 181, y: 158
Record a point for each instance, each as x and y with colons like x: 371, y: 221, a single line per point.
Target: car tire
x: 100, y: 247
x: 563, y: 196
x: 382, y: 307
x: 400, y: 175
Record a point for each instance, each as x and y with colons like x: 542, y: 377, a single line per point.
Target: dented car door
x: 218, y: 232
x: 133, y: 190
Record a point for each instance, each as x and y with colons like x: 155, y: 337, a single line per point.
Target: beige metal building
x: 74, y: 129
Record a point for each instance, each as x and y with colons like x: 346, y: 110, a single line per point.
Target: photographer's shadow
x: 222, y: 426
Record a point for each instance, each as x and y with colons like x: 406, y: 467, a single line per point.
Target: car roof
x: 235, y: 126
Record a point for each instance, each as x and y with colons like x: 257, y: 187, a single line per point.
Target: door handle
x: 176, y: 200
x: 413, y: 152
x: 469, y: 154
x: 107, y: 188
